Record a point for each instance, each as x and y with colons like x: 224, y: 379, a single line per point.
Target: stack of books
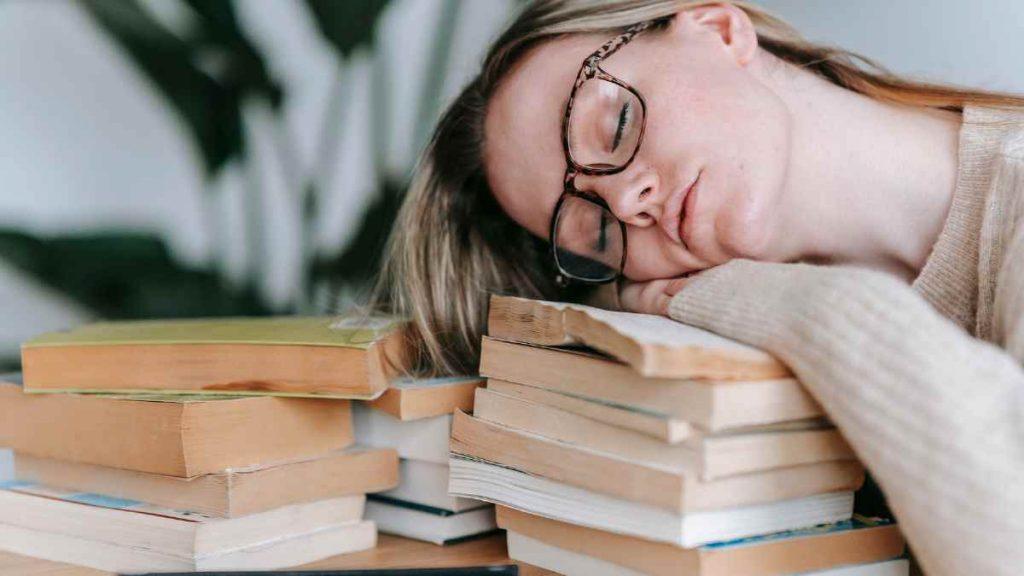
x: 618, y: 443
x: 414, y: 417
x: 192, y: 445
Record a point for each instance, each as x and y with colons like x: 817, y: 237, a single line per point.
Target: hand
x: 651, y: 296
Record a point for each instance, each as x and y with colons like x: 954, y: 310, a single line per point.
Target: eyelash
x: 623, y: 115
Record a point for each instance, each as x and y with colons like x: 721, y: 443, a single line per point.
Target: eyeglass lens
x: 589, y: 242
x: 604, y: 125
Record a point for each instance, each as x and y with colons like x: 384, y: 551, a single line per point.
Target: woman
x: 864, y: 228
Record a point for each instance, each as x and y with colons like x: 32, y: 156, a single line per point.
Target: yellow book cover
x: 285, y: 356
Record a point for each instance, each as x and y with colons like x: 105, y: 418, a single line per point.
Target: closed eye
x: 624, y: 114
x: 602, y: 233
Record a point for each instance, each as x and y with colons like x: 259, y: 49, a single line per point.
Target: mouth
x: 675, y: 224
x: 688, y: 203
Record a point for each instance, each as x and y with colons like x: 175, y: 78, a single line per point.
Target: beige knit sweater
x: 924, y: 380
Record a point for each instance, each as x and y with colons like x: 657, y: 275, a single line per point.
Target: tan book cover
x: 231, y: 493
x: 178, y: 435
x: 656, y: 425
x: 677, y: 490
x: 284, y: 356
x: 706, y: 403
x: 414, y: 399
x: 711, y: 456
x: 859, y: 541
x: 651, y: 345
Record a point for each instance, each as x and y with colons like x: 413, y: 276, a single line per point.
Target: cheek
x: 740, y: 134
x: 743, y: 221
x: 755, y: 171
x: 649, y: 256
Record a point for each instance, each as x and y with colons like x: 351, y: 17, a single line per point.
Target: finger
x: 646, y: 297
x: 660, y: 304
x: 630, y: 297
x: 675, y: 285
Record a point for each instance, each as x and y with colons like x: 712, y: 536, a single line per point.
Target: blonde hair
x: 452, y: 245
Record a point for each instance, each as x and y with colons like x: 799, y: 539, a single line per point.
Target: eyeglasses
x: 601, y: 133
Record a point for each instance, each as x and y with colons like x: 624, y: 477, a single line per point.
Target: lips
x: 672, y: 220
x: 687, y: 208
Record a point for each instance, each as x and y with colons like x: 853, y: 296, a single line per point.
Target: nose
x: 632, y: 195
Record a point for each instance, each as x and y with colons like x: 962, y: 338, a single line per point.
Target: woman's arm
x: 936, y: 415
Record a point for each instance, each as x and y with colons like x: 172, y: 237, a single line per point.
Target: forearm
x: 936, y: 415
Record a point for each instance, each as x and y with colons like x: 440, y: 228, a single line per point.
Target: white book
x: 429, y: 524
x: 6, y: 465
x: 271, y: 555
x: 426, y: 483
x: 497, y: 484
x: 424, y: 439
x: 133, y: 536
x: 537, y: 553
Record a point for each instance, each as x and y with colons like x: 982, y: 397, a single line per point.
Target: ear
x: 730, y: 25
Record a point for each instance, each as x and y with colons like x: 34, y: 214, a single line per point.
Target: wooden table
x: 391, y: 552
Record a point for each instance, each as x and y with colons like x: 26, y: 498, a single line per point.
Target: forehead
x: 523, y: 155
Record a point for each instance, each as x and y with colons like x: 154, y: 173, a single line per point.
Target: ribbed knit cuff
x: 745, y: 300
x: 931, y: 411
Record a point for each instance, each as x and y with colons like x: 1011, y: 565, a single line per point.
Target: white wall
x: 977, y: 43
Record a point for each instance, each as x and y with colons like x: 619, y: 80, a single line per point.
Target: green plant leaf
x: 243, y: 69
x: 347, y: 24
x: 125, y: 275
x: 203, y: 77
x: 361, y: 258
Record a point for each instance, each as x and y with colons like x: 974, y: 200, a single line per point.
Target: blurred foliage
x: 207, y: 70
x: 206, y: 73
x: 347, y: 24
x: 125, y: 275
x: 361, y: 258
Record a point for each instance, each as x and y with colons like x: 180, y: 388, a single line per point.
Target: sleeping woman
x: 705, y: 162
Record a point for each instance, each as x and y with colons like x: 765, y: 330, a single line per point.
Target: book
x: 230, y: 493
x: 654, y: 346
x: 414, y: 399
x: 126, y: 536
x: 424, y: 439
x: 426, y: 484
x: 706, y: 403
x: 286, y: 356
x: 710, y: 456
x: 563, y: 561
x: 658, y: 425
x: 418, y: 522
x: 857, y: 541
x: 181, y: 436
x: 6, y: 464
x: 673, y: 490
x: 560, y: 501
x: 21, y: 565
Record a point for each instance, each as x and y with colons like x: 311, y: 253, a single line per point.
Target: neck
x: 869, y: 183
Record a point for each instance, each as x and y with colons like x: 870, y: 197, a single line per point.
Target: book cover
x: 283, y: 356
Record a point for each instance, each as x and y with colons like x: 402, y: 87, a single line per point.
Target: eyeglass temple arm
x: 613, y: 45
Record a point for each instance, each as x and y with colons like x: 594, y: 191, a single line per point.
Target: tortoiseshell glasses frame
x: 590, y: 70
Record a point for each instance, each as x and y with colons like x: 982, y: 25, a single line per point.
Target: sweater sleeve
x: 935, y: 414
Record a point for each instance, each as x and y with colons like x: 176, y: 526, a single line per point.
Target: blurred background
x: 164, y: 158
